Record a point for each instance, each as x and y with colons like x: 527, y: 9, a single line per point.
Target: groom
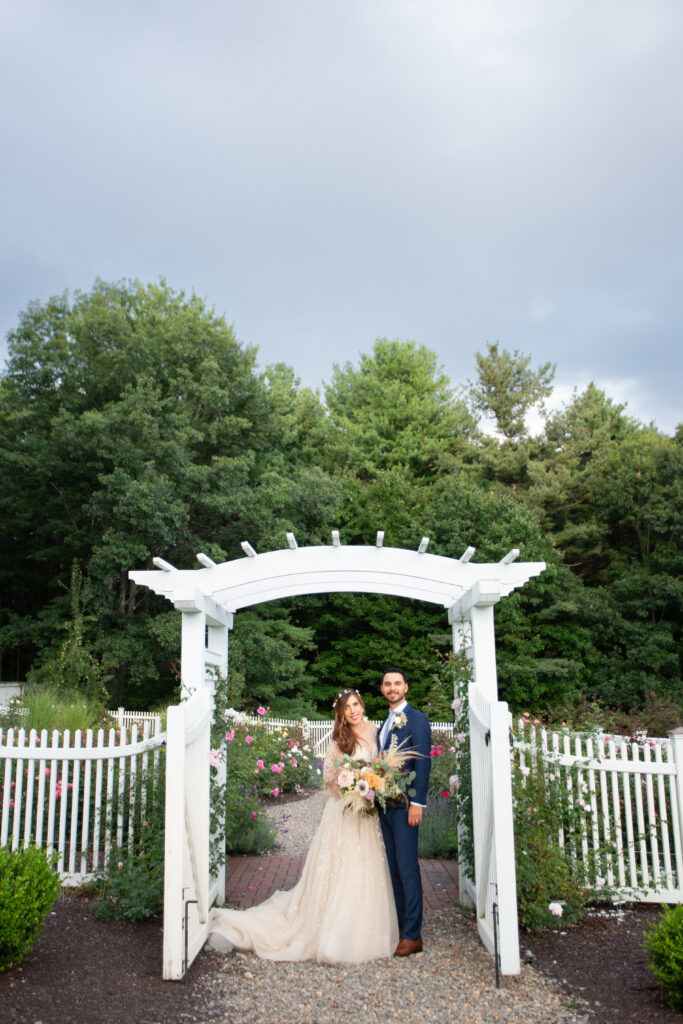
x: 401, y: 819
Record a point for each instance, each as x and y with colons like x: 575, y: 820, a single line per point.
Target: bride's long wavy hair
x: 342, y: 733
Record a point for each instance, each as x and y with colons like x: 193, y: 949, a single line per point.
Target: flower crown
x: 343, y: 693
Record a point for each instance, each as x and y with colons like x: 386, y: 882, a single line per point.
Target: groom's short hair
x: 399, y: 671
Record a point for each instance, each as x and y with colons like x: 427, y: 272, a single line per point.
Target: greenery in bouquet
x: 364, y: 785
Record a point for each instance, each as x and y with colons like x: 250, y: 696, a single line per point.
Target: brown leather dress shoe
x: 408, y: 946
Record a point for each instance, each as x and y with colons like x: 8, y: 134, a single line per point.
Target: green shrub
x: 545, y: 873
x: 664, y: 946
x: 268, y: 760
x: 247, y: 828
x: 49, y: 707
x: 132, y: 886
x: 438, y: 836
x: 29, y: 885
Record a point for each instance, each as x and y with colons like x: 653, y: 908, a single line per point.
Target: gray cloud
x: 326, y: 173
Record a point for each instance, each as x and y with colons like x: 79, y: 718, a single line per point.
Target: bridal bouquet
x: 366, y: 784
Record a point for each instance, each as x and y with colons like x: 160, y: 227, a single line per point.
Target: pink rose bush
x: 262, y: 761
x: 258, y: 750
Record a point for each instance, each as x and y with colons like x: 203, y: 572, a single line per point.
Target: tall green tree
x: 397, y: 409
x: 132, y: 423
x: 507, y: 388
x: 608, y: 491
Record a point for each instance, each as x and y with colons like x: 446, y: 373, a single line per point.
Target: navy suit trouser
x: 400, y: 841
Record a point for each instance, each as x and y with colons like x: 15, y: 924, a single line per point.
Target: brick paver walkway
x: 250, y: 880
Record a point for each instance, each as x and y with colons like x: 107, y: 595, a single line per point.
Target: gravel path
x: 296, y: 822
x: 453, y: 981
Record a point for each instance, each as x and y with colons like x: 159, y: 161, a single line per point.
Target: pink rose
x: 249, y: 739
x: 275, y: 792
x: 260, y: 764
x: 260, y: 711
x: 230, y: 735
x: 253, y: 814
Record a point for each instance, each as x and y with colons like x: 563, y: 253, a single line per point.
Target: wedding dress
x: 342, y: 908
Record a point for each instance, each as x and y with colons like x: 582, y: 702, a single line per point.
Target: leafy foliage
x: 507, y: 389
x: 134, y: 423
x: 545, y: 873
x: 250, y: 760
x: 132, y: 886
x: 664, y: 947
x: 49, y: 707
x: 438, y: 836
x: 29, y: 885
x: 397, y: 410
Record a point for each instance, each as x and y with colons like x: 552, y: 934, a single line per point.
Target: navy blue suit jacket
x: 416, y: 735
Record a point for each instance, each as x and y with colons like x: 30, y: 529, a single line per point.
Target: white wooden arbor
x: 210, y: 596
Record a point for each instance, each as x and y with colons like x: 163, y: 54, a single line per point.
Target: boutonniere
x: 399, y: 721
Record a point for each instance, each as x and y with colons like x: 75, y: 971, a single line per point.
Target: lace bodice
x: 363, y: 752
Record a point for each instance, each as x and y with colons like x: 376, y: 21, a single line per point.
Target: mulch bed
x: 602, y: 961
x: 97, y: 972
x: 89, y: 971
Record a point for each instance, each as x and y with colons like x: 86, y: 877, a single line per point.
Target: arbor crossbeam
x: 294, y: 571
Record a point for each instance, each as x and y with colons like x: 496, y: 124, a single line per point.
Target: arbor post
x: 484, y: 641
x: 193, y: 645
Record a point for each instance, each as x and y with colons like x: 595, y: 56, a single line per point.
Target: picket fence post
x: 676, y: 739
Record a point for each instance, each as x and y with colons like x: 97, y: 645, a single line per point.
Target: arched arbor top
x: 219, y: 590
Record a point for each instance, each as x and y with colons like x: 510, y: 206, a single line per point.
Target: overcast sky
x: 326, y: 173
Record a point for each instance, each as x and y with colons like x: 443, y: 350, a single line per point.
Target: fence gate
x: 186, y: 869
x: 494, y: 891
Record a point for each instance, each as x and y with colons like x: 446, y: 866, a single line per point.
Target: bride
x: 342, y: 908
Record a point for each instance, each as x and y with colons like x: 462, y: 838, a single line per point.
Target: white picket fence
x: 623, y: 800
x: 131, y: 718
x: 77, y: 795
x: 319, y: 733
x: 622, y: 806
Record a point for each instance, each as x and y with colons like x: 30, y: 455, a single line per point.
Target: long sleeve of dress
x: 330, y: 769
